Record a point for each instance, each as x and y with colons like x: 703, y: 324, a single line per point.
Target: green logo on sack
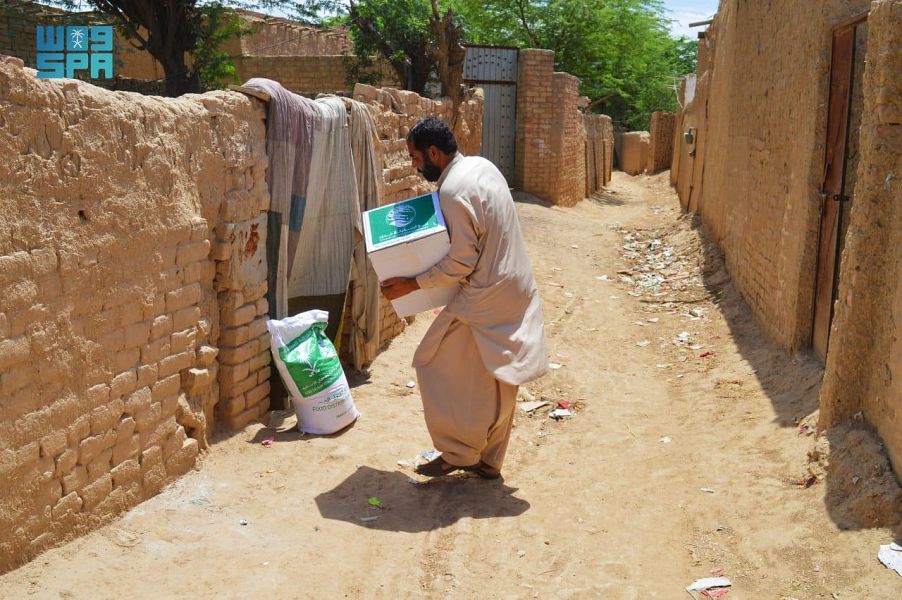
x: 311, y: 361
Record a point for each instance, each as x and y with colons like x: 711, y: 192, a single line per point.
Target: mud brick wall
x: 18, y: 26
x: 661, y: 142
x: 759, y: 157
x: 532, y: 165
x: 864, y: 361
x: 308, y: 74
x: 634, y: 152
x: 568, y: 142
x: 395, y: 112
x: 128, y: 258
x: 550, y: 141
x: 599, y: 151
x: 274, y: 36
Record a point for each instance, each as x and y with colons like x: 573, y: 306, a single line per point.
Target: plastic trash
x: 429, y: 455
x: 707, y: 583
x: 529, y: 407
x: 554, y: 366
x: 891, y: 557
x: 560, y: 413
x: 312, y: 373
x: 411, y: 384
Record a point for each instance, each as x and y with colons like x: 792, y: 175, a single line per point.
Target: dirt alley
x: 607, y: 504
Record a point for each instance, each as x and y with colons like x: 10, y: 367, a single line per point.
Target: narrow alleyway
x: 687, y: 456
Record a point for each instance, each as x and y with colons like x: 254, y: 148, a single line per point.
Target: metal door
x: 494, y: 69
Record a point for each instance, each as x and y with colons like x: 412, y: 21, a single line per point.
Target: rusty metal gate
x: 494, y: 69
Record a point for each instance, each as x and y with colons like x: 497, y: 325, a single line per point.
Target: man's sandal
x: 439, y: 467
x: 486, y: 471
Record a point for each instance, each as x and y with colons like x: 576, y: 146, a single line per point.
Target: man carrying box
x: 490, y: 338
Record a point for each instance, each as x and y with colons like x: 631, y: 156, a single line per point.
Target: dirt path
x: 607, y: 504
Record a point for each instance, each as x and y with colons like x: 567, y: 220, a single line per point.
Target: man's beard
x: 430, y: 171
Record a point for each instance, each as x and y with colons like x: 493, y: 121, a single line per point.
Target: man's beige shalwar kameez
x: 490, y: 338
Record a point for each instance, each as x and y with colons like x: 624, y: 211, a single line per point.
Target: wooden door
x: 836, y: 191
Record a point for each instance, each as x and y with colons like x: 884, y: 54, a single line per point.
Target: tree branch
x: 529, y: 34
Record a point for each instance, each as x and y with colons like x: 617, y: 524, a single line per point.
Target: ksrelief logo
x: 401, y: 216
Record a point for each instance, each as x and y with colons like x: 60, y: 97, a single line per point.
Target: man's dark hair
x: 432, y: 131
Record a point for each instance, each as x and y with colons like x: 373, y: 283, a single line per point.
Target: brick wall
x: 550, y: 142
x: 864, y: 360
x: 129, y: 261
x: 568, y: 142
x: 661, y: 142
x: 599, y: 151
x: 759, y: 114
x: 307, y: 74
x: 274, y: 36
x: 18, y: 23
x: 634, y: 152
x: 133, y: 279
x: 534, y: 156
x: 760, y: 109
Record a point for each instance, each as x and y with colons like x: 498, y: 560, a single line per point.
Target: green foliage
x: 214, y: 66
x: 620, y: 49
x: 396, y: 30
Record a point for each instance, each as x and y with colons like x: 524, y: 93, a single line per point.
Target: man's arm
x: 464, y: 253
x: 396, y: 287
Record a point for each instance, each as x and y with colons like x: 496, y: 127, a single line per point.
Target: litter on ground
x: 529, y: 407
x: 560, y: 413
x: 707, y: 583
x: 891, y: 557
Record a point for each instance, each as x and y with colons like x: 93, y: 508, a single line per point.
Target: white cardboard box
x: 405, y: 239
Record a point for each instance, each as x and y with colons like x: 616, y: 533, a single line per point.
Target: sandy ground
x: 607, y: 504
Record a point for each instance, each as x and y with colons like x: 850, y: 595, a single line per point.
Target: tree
x: 413, y: 36
x: 620, y: 49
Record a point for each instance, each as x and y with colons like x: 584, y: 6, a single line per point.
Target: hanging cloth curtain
x: 322, y: 260
x: 364, y: 342
x: 290, y: 123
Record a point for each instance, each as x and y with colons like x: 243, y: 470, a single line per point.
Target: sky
x: 683, y: 12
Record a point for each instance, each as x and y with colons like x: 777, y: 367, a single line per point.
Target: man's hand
x: 396, y: 287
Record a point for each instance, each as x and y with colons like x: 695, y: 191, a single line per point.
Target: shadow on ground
x: 606, y: 198
x: 862, y: 491
x: 524, y: 198
x: 417, y: 507
x: 791, y: 381
x: 283, y: 428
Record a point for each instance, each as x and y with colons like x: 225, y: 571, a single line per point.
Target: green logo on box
x: 403, y: 219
